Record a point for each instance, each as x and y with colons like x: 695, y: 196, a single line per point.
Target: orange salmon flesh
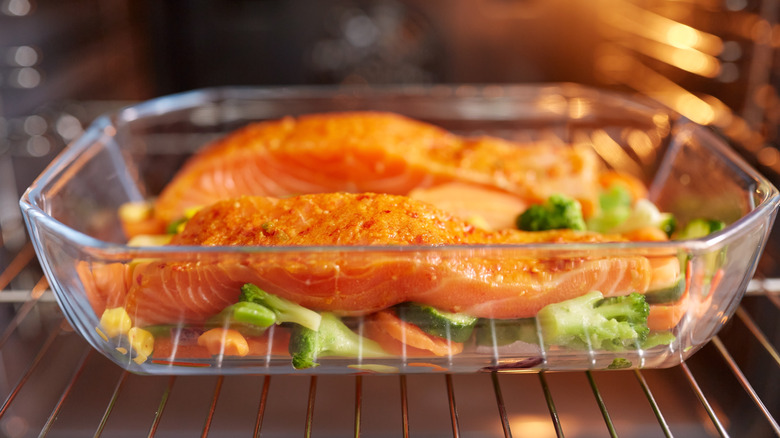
x: 373, y: 152
x: 426, y: 256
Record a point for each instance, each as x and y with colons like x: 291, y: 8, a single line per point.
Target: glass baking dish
x: 128, y: 156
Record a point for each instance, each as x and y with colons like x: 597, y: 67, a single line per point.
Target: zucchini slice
x: 456, y: 327
x: 668, y: 294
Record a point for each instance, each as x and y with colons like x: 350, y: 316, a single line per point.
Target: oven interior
x: 64, y: 63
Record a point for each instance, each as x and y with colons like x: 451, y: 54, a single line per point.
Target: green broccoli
x: 645, y: 214
x: 615, y: 208
x: 619, y: 363
x: 619, y: 214
x: 248, y: 318
x: 592, y: 321
x: 333, y: 338
x: 456, y: 327
x: 500, y: 332
x: 557, y: 212
x: 285, y: 310
x: 701, y: 227
x: 658, y: 338
x: 178, y: 225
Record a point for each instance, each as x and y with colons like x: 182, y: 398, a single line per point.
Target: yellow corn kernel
x: 142, y: 342
x: 150, y: 240
x: 115, y: 322
x: 190, y: 212
x: 227, y: 342
x: 135, y: 211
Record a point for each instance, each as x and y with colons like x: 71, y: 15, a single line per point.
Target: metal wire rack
x: 53, y: 384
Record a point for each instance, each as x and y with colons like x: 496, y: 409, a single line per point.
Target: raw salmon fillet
x: 372, y: 152
x: 354, y: 254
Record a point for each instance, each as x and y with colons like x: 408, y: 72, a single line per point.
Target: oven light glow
x: 655, y: 85
x: 687, y: 59
x: 613, y: 153
x: 682, y: 36
x: 16, y: 8
x: 641, y: 22
x: 689, y: 104
x: 38, y: 146
x: 695, y: 62
x: 642, y: 145
x: 768, y: 156
x: 579, y: 108
x: 535, y: 426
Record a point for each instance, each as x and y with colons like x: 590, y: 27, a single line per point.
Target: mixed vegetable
x: 587, y: 322
x: 591, y: 321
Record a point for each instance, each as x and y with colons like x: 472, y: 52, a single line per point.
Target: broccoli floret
x: 645, y: 214
x: 333, y: 338
x: 285, y: 310
x: 592, y: 321
x: 248, y: 318
x: 619, y: 214
x: 619, y: 363
x: 178, y: 225
x: 668, y: 224
x: 500, y: 332
x: 655, y: 339
x: 557, y: 212
x: 615, y: 208
x: 699, y: 228
x: 456, y: 327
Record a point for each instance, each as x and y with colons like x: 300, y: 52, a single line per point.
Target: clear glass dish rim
x: 31, y: 201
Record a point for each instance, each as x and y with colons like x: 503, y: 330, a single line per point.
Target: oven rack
x: 53, y: 384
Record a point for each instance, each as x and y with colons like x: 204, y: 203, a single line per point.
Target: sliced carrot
x: 716, y: 278
x: 186, y: 347
x: 399, y: 337
x: 432, y: 366
x: 667, y: 316
x: 226, y: 342
x: 393, y: 345
x: 279, y: 343
x: 635, y: 187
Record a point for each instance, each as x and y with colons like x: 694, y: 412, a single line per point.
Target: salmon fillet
x: 417, y: 253
x: 372, y: 152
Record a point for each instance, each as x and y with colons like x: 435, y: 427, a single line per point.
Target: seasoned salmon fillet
x: 372, y: 152
x: 417, y: 253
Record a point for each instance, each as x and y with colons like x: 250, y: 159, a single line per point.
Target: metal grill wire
x: 54, y: 385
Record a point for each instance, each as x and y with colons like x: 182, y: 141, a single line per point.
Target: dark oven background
x: 715, y: 61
